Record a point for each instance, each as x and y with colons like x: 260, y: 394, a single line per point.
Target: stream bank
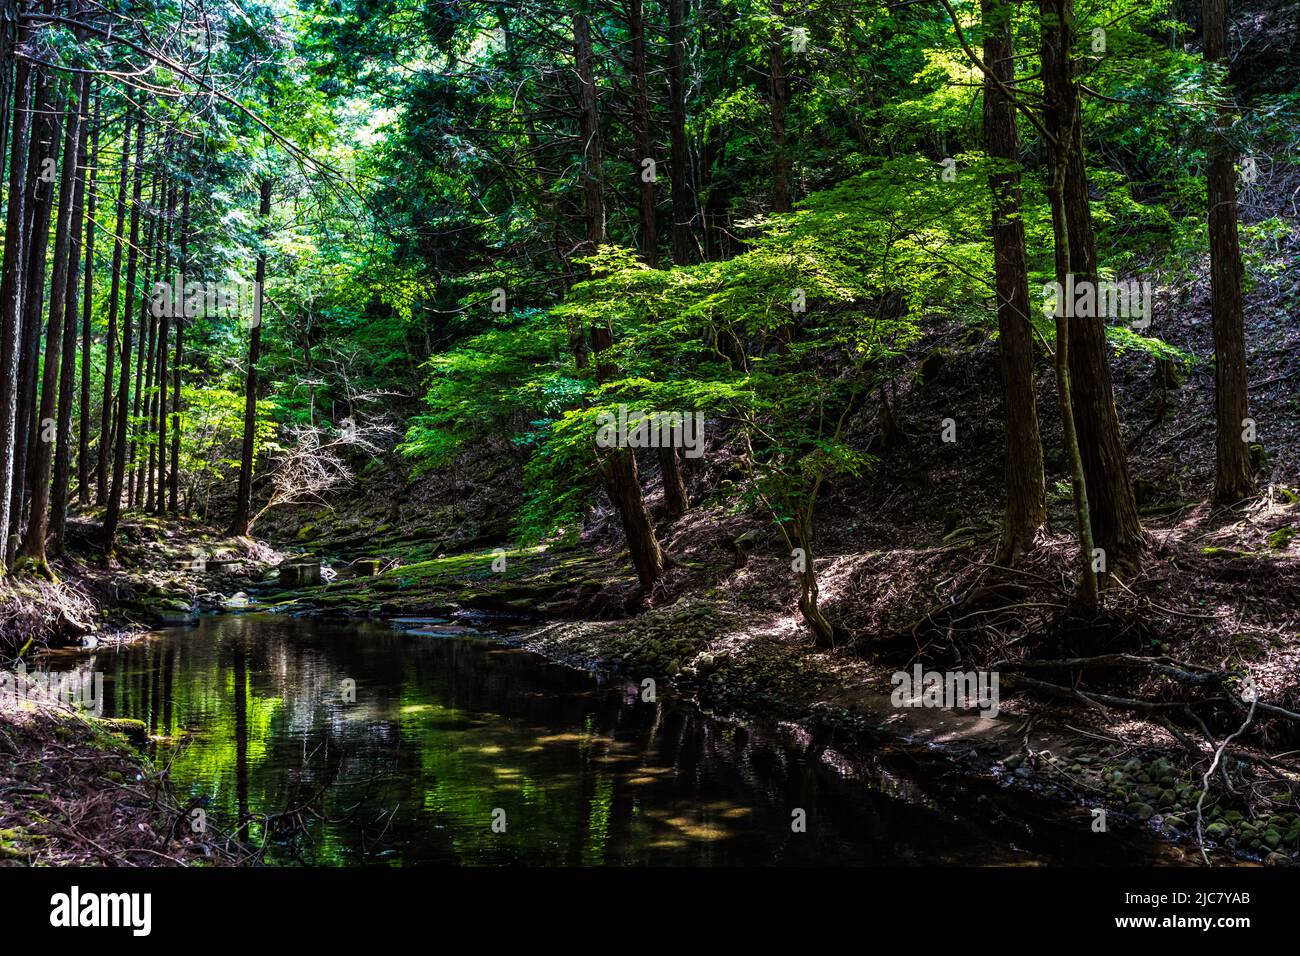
x: 715, y: 645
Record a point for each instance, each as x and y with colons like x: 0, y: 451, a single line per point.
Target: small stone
x: 1143, y: 811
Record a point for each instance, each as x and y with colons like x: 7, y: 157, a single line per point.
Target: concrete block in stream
x: 300, y: 572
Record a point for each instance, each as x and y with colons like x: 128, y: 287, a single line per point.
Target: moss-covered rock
x: 1142, y: 811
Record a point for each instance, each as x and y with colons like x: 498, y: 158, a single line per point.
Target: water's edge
x: 426, y: 742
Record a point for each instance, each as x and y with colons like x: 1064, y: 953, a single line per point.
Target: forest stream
x: 461, y: 748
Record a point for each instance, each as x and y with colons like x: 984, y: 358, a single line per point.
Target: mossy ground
x: 75, y: 792
x: 529, y: 581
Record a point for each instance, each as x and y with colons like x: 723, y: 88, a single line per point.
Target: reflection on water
x: 252, y: 716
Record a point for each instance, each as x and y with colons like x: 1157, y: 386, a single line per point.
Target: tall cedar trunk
x: 1065, y: 397
x: 679, y: 172
x: 71, y: 307
x: 1233, y: 479
x: 1026, y: 508
x: 11, y: 292
x: 11, y: 295
x: 546, y: 179
x: 182, y: 316
x: 239, y: 524
x: 8, y: 64
x: 593, y: 198
x: 617, y: 466
x: 642, y: 135
x: 1116, y: 527
x: 156, y: 345
x: 145, y: 344
x: 712, y: 241
x: 164, y: 332
x: 113, y: 511
x: 704, y: 191
x: 106, y: 417
x: 42, y: 160
x: 83, y: 423
x: 32, y: 552
x: 592, y: 171
x: 779, y: 95
x: 1062, y: 148
x: 675, y: 498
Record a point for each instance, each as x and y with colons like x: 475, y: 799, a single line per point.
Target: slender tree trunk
x: 589, y: 121
x: 592, y: 171
x: 1062, y: 151
x: 642, y: 135
x: 11, y: 294
x: 1088, y: 590
x: 11, y: 10
x: 1026, y: 508
x: 1116, y: 527
x: 32, y: 553
x: 809, y: 590
x: 164, y: 332
x: 181, y: 319
x: 1233, y: 479
x: 619, y: 474
x: 106, y: 418
x: 83, y: 429
x: 243, y: 499
x: 68, y: 369
x: 676, y: 500
x: 148, y: 268
x: 149, y: 460
x: 42, y: 163
x: 618, y: 465
x: 779, y: 95
x: 113, y: 512
x: 679, y: 171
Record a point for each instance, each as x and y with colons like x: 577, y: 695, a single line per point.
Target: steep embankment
x: 905, y: 567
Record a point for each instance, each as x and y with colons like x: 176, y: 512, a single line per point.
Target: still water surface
x: 452, y: 731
